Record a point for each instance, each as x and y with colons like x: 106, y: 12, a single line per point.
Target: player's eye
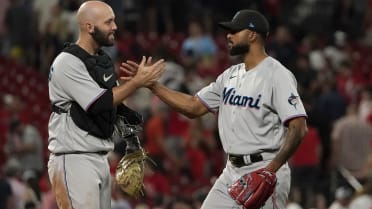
x: 109, y: 21
x: 232, y: 31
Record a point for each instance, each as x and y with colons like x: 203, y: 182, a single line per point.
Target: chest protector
x: 99, y: 67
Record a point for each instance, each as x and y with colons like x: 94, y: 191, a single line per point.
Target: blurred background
x: 327, y: 44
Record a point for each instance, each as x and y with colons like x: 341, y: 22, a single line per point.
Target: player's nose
x: 114, y: 27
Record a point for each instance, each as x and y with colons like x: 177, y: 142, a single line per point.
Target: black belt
x: 238, y: 160
x: 58, y: 110
x: 80, y: 152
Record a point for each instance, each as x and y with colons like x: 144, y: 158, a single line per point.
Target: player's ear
x: 252, y: 36
x: 89, y: 27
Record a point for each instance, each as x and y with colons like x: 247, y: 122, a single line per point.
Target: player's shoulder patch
x: 293, y: 100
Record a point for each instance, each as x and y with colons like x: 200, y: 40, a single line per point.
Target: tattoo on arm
x: 293, y: 139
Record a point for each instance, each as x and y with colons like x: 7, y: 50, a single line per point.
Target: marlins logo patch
x: 293, y: 100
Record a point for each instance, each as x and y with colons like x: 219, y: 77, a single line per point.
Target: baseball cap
x: 247, y: 19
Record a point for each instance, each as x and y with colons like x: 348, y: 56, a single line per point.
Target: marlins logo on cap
x: 247, y: 19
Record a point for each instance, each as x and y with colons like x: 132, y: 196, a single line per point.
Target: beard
x: 239, y: 49
x: 101, y: 38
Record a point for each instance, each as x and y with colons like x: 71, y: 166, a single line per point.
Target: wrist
x: 135, y: 83
x: 153, y: 86
x: 273, y: 167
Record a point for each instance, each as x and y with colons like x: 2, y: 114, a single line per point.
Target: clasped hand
x: 145, y: 73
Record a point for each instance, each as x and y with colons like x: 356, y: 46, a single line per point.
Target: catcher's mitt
x: 130, y: 172
x: 252, y: 190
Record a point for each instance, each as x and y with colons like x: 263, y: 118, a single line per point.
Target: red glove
x: 252, y: 190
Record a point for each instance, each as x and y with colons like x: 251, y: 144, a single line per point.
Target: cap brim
x: 229, y: 26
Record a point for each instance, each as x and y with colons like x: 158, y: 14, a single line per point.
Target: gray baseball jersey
x: 253, y: 106
x: 69, y: 81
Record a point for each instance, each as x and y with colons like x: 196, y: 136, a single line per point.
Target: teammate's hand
x: 146, y: 73
x: 129, y: 69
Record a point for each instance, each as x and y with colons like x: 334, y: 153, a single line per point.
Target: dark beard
x: 101, y: 38
x: 239, y: 49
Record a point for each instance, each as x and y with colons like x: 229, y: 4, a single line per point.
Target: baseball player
x: 85, y: 96
x: 261, y: 119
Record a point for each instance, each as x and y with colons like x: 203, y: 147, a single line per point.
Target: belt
x: 244, y: 160
x: 80, y: 152
x: 58, y: 110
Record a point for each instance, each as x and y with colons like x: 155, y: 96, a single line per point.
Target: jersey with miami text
x: 253, y: 106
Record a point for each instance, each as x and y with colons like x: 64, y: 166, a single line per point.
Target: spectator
x: 305, y: 166
x: 48, y: 200
x: 12, y: 171
x: 174, y: 75
x: 351, y: 139
x: 337, y: 52
x: 32, y: 196
x: 120, y: 199
x: 282, y: 46
x: 19, y: 33
x: 155, y: 131
x: 41, y: 10
x: 304, y: 74
x: 157, y: 185
x: 365, y: 105
x: 24, y: 144
x: 198, y: 197
x: 342, y: 200
x: 57, y: 32
x: 345, y: 82
x: 198, y: 45
x: 293, y: 205
x: 196, y: 157
x: 329, y: 107
x: 6, y: 194
x: 364, y: 200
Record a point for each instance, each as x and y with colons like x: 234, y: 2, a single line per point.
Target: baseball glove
x: 130, y: 173
x: 252, y: 190
x: 130, y: 170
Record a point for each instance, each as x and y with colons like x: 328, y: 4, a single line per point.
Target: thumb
x: 126, y: 78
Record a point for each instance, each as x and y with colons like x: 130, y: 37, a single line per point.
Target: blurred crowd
x: 327, y: 44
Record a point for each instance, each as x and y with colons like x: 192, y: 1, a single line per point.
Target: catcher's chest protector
x: 101, y: 69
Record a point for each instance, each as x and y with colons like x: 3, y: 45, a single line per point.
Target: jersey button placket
x: 233, y: 118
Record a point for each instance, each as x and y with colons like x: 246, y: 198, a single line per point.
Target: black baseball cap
x: 247, y: 19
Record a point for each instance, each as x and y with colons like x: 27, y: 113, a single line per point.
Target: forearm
x: 186, y: 104
x: 293, y: 138
x: 120, y: 93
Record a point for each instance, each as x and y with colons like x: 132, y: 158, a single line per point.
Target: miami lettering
x: 229, y: 97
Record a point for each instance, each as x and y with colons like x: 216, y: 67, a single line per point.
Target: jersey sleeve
x: 210, y: 95
x: 286, y: 99
x: 73, y: 78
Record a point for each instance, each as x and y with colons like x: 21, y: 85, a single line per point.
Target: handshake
x: 143, y: 74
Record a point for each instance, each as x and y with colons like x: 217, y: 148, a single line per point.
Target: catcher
x: 86, y: 95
